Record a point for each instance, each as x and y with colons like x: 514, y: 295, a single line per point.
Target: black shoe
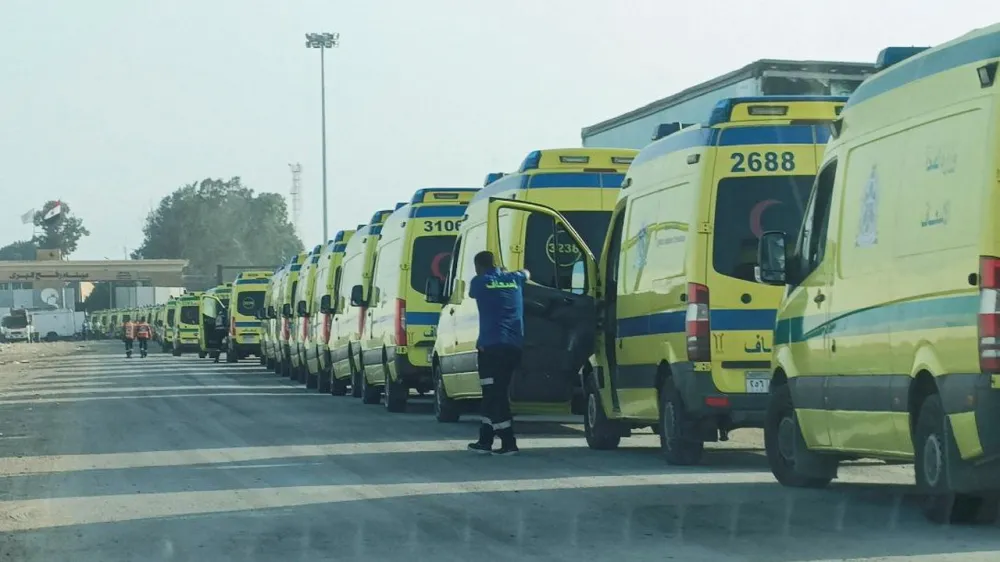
x: 480, y: 448
x: 507, y: 451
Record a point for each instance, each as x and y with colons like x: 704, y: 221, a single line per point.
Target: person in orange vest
x: 143, y: 333
x: 128, y: 335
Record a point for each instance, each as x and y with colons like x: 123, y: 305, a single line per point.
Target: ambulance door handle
x: 819, y: 298
x: 451, y: 311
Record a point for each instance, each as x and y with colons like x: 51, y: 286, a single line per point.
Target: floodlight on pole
x: 323, y: 41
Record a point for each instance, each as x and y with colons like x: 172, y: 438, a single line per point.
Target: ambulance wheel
x: 338, y: 387
x: 312, y: 381
x: 782, y: 437
x: 678, y: 442
x: 370, y: 394
x: 202, y: 354
x: 323, y: 383
x: 396, y: 393
x: 356, y: 384
x: 262, y: 360
x: 941, y: 504
x: 176, y: 351
x: 446, y: 410
x: 602, y: 434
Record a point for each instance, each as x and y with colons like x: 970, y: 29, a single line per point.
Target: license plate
x: 758, y: 382
x: 250, y: 339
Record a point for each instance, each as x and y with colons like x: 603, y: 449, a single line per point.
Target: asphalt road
x: 104, y: 459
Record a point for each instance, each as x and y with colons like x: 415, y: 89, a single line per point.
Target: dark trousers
x: 128, y: 344
x: 142, y: 345
x: 496, y: 369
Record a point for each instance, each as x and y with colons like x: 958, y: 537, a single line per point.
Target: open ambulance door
x: 559, y: 316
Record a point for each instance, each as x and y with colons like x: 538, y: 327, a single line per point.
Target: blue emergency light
x: 492, y: 177
x: 893, y: 55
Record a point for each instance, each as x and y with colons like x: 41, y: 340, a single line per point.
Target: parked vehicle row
x: 825, y: 268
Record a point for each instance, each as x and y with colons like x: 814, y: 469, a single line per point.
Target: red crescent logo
x: 757, y: 212
x: 436, y: 265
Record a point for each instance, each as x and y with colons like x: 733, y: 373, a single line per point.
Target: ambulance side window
x: 336, y: 290
x: 812, y: 246
x: 456, y: 257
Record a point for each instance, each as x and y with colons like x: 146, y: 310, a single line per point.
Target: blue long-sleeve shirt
x: 501, y: 307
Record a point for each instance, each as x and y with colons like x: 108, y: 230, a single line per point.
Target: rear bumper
x: 743, y: 410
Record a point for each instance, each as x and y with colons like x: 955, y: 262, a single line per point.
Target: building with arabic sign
x: 50, y: 281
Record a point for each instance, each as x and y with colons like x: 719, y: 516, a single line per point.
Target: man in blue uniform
x: 501, y: 336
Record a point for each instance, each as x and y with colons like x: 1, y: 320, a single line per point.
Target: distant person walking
x: 143, y: 332
x: 500, y: 301
x: 128, y: 336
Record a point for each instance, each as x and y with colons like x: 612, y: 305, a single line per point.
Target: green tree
x: 22, y: 250
x: 61, y: 232
x: 218, y: 222
x: 99, y: 298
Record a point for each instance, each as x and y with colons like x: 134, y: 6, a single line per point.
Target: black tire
x: 931, y: 443
x: 679, y: 445
x: 396, y: 393
x: 370, y: 394
x: 446, y: 410
x: 781, y: 437
x: 323, y: 383
x: 338, y: 387
x: 262, y: 360
x: 231, y: 356
x: 602, y: 434
x: 312, y: 380
x: 176, y: 351
x: 202, y: 354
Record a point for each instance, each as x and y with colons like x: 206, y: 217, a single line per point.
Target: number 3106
x: 768, y: 161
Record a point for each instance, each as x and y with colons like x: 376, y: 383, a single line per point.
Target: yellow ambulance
x: 581, y: 182
x: 416, y: 245
x: 887, y: 343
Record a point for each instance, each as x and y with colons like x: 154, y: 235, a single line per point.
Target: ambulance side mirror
x: 771, y: 259
x: 324, y: 304
x: 357, y: 296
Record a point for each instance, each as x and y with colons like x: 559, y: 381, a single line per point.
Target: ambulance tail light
x: 697, y: 325
x: 989, y: 314
x: 400, y: 322
x: 327, y: 323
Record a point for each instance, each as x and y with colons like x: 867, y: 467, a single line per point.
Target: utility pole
x: 323, y: 41
x: 295, y: 194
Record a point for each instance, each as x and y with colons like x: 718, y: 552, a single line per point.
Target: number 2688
x: 767, y: 161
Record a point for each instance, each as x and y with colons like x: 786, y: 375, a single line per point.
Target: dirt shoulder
x: 18, y: 360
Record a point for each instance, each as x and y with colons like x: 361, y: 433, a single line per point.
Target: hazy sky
x: 112, y: 104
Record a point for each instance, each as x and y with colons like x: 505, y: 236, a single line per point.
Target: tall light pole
x: 323, y: 41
